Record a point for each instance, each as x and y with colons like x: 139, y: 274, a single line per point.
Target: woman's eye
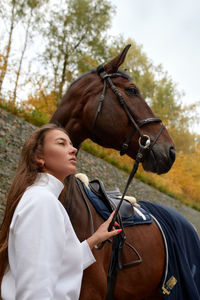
x: 132, y: 91
x: 62, y: 143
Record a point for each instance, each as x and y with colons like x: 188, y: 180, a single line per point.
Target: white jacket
x: 46, y: 259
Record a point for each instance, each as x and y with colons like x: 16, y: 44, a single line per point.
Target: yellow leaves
x: 86, y: 63
x: 42, y: 102
x: 183, y: 179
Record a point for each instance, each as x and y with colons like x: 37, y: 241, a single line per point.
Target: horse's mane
x: 81, y: 76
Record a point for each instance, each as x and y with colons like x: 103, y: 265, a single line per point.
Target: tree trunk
x: 62, y: 82
x: 60, y: 92
x: 5, y: 64
x: 21, y: 59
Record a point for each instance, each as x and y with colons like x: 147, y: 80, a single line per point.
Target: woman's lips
x: 73, y: 159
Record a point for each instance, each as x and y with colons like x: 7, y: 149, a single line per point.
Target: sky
x: 169, y: 31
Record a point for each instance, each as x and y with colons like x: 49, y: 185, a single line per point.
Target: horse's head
x: 105, y: 106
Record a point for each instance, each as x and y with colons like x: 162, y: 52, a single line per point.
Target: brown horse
x: 77, y: 112
x: 113, y: 125
x: 138, y: 282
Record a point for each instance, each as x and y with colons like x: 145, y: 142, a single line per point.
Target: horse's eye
x: 132, y: 91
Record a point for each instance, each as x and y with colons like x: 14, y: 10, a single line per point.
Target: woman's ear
x: 40, y: 161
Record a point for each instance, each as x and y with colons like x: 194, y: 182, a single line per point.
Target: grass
x: 35, y: 117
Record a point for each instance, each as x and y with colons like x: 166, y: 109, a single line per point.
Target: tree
x: 21, y: 17
x: 13, y: 18
x: 31, y: 17
x: 75, y: 40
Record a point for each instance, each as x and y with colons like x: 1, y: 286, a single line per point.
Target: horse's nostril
x: 172, y: 154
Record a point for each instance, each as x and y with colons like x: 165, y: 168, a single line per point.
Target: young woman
x: 40, y: 254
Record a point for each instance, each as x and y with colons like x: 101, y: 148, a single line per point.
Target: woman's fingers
x: 111, y: 216
x: 102, y: 232
x: 114, y: 232
x: 110, y: 219
x: 116, y: 224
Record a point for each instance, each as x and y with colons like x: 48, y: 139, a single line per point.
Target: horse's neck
x: 76, y: 208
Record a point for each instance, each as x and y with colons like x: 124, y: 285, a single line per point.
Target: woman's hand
x: 102, y: 232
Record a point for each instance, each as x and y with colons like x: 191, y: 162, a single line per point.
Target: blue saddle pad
x: 184, y: 251
x: 140, y: 217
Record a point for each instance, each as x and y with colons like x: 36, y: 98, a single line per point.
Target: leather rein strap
x: 144, y: 140
x: 145, y: 144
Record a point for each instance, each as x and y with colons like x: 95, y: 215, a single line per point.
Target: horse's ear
x: 113, y: 65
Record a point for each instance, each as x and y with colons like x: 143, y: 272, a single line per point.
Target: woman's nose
x: 74, y: 150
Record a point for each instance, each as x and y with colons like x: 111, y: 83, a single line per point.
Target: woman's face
x: 59, y: 155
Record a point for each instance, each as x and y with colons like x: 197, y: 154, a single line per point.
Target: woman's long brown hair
x: 25, y: 176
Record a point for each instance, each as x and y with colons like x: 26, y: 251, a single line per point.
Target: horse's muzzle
x: 159, y: 160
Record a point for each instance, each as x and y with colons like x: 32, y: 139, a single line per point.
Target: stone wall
x: 13, y: 132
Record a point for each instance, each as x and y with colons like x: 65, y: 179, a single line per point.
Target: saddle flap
x: 97, y: 187
x: 112, y: 198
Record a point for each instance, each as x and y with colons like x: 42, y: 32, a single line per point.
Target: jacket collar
x: 51, y: 182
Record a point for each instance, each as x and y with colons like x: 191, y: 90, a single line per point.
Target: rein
x: 145, y: 144
x: 144, y: 140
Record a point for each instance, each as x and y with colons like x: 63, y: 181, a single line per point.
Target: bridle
x: 145, y: 144
x: 144, y: 140
x: 106, y: 78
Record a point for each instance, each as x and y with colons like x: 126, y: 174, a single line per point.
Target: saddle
x: 106, y: 201
x: 112, y: 198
